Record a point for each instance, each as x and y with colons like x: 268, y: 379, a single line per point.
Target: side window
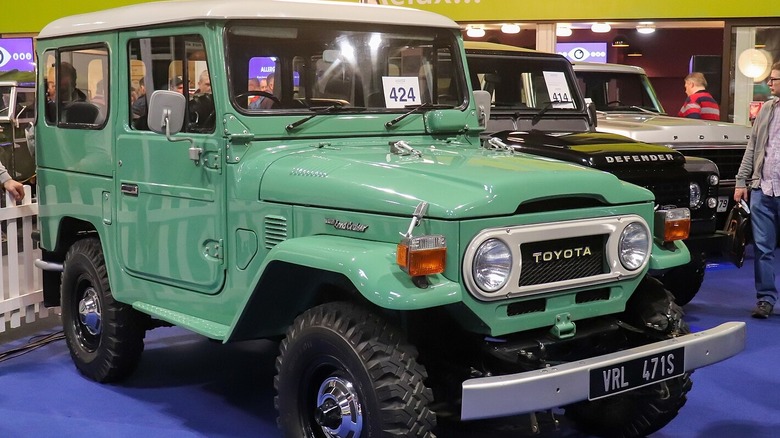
x: 76, y: 87
x: 176, y: 63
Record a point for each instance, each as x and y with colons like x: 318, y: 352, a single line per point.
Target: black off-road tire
x: 105, y: 337
x: 360, y: 355
x: 642, y: 411
x: 685, y: 281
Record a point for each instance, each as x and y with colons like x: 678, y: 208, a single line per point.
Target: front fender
x: 669, y: 255
x: 371, y: 268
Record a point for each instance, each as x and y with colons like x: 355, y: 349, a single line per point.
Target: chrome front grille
x: 562, y: 259
x: 556, y: 256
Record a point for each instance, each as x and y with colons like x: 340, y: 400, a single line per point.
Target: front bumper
x: 530, y: 391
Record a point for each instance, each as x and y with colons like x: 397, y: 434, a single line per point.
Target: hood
x: 457, y: 180
x: 604, y: 151
x: 672, y: 130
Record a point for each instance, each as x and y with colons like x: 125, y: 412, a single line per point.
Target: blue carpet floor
x: 187, y: 386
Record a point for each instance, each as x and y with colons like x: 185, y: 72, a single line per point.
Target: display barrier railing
x: 21, y: 294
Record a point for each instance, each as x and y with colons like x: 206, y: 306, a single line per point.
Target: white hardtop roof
x: 156, y: 13
x: 601, y: 66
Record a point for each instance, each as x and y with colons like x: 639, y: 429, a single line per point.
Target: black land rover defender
x: 538, y: 109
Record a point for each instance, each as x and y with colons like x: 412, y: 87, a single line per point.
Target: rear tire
x: 343, y: 371
x: 105, y: 337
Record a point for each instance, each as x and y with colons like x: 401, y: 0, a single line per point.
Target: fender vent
x: 275, y: 230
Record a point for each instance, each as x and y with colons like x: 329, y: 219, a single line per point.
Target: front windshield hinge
x: 403, y: 148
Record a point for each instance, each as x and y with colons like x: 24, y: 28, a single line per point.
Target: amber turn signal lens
x: 423, y: 255
x: 673, y: 224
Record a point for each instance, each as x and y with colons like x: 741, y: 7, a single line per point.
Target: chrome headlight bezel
x: 634, y: 246
x: 492, y: 265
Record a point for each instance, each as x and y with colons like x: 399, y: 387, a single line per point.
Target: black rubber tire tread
x: 120, y: 343
x: 685, y: 281
x: 642, y: 411
x: 384, y: 367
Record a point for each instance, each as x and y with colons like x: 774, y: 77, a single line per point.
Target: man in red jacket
x: 699, y: 104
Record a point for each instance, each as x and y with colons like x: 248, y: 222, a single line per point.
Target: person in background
x: 15, y: 188
x: 699, y: 104
x: 67, y: 90
x: 204, y: 83
x: 264, y: 102
x: 139, y: 107
x: 761, y: 166
x: 176, y: 84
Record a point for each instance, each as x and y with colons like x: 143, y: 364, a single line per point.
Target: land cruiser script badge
x: 346, y: 226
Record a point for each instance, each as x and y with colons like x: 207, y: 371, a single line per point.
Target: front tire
x: 642, y: 411
x: 343, y: 371
x: 105, y: 337
x: 685, y: 281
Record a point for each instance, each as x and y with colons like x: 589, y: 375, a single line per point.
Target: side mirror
x: 482, y: 99
x: 166, y: 112
x: 592, y: 116
x: 166, y: 116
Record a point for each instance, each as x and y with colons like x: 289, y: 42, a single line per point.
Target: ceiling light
x: 601, y: 27
x: 563, y: 30
x: 645, y: 28
x: 510, y: 28
x: 475, y: 32
x: 620, y: 41
x: 634, y: 53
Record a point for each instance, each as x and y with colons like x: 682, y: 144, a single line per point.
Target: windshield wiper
x: 422, y: 107
x: 538, y: 116
x: 320, y: 111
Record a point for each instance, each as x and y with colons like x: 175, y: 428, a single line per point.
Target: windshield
x: 304, y: 67
x: 525, y: 83
x: 613, y: 91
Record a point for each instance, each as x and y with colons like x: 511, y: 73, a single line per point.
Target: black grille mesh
x: 728, y: 160
x: 558, y: 260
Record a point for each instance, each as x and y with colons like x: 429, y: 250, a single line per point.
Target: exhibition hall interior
x: 389, y: 218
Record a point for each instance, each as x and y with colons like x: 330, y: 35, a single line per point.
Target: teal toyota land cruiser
x: 313, y: 172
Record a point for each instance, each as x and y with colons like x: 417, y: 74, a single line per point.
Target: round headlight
x: 492, y: 264
x: 633, y: 246
x: 695, y: 195
x: 713, y: 180
x: 712, y: 202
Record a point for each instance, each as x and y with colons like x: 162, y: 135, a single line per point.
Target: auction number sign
x: 401, y: 91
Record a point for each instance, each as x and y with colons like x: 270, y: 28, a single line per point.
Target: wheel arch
x: 303, y: 272
x: 68, y: 231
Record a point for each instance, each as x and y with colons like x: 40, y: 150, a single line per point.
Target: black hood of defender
x: 608, y: 152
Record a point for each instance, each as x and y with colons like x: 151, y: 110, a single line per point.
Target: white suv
x: 626, y: 104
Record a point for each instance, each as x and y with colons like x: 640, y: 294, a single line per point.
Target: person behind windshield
x: 265, y: 102
x: 699, y: 104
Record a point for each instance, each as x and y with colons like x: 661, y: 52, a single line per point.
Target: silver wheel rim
x: 89, y: 312
x: 338, y: 411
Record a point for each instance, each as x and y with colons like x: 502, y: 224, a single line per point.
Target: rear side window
x: 76, y: 87
x: 176, y: 63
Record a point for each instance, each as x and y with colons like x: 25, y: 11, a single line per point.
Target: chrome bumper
x: 499, y: 396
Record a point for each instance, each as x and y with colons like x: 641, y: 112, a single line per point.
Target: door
x: 170, y: 209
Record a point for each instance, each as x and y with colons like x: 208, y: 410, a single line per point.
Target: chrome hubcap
x: 89, y: 312
x: 338, y: 411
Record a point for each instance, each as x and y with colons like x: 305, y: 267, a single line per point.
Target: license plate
x: 625, y: 376
x: 723, y: 203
